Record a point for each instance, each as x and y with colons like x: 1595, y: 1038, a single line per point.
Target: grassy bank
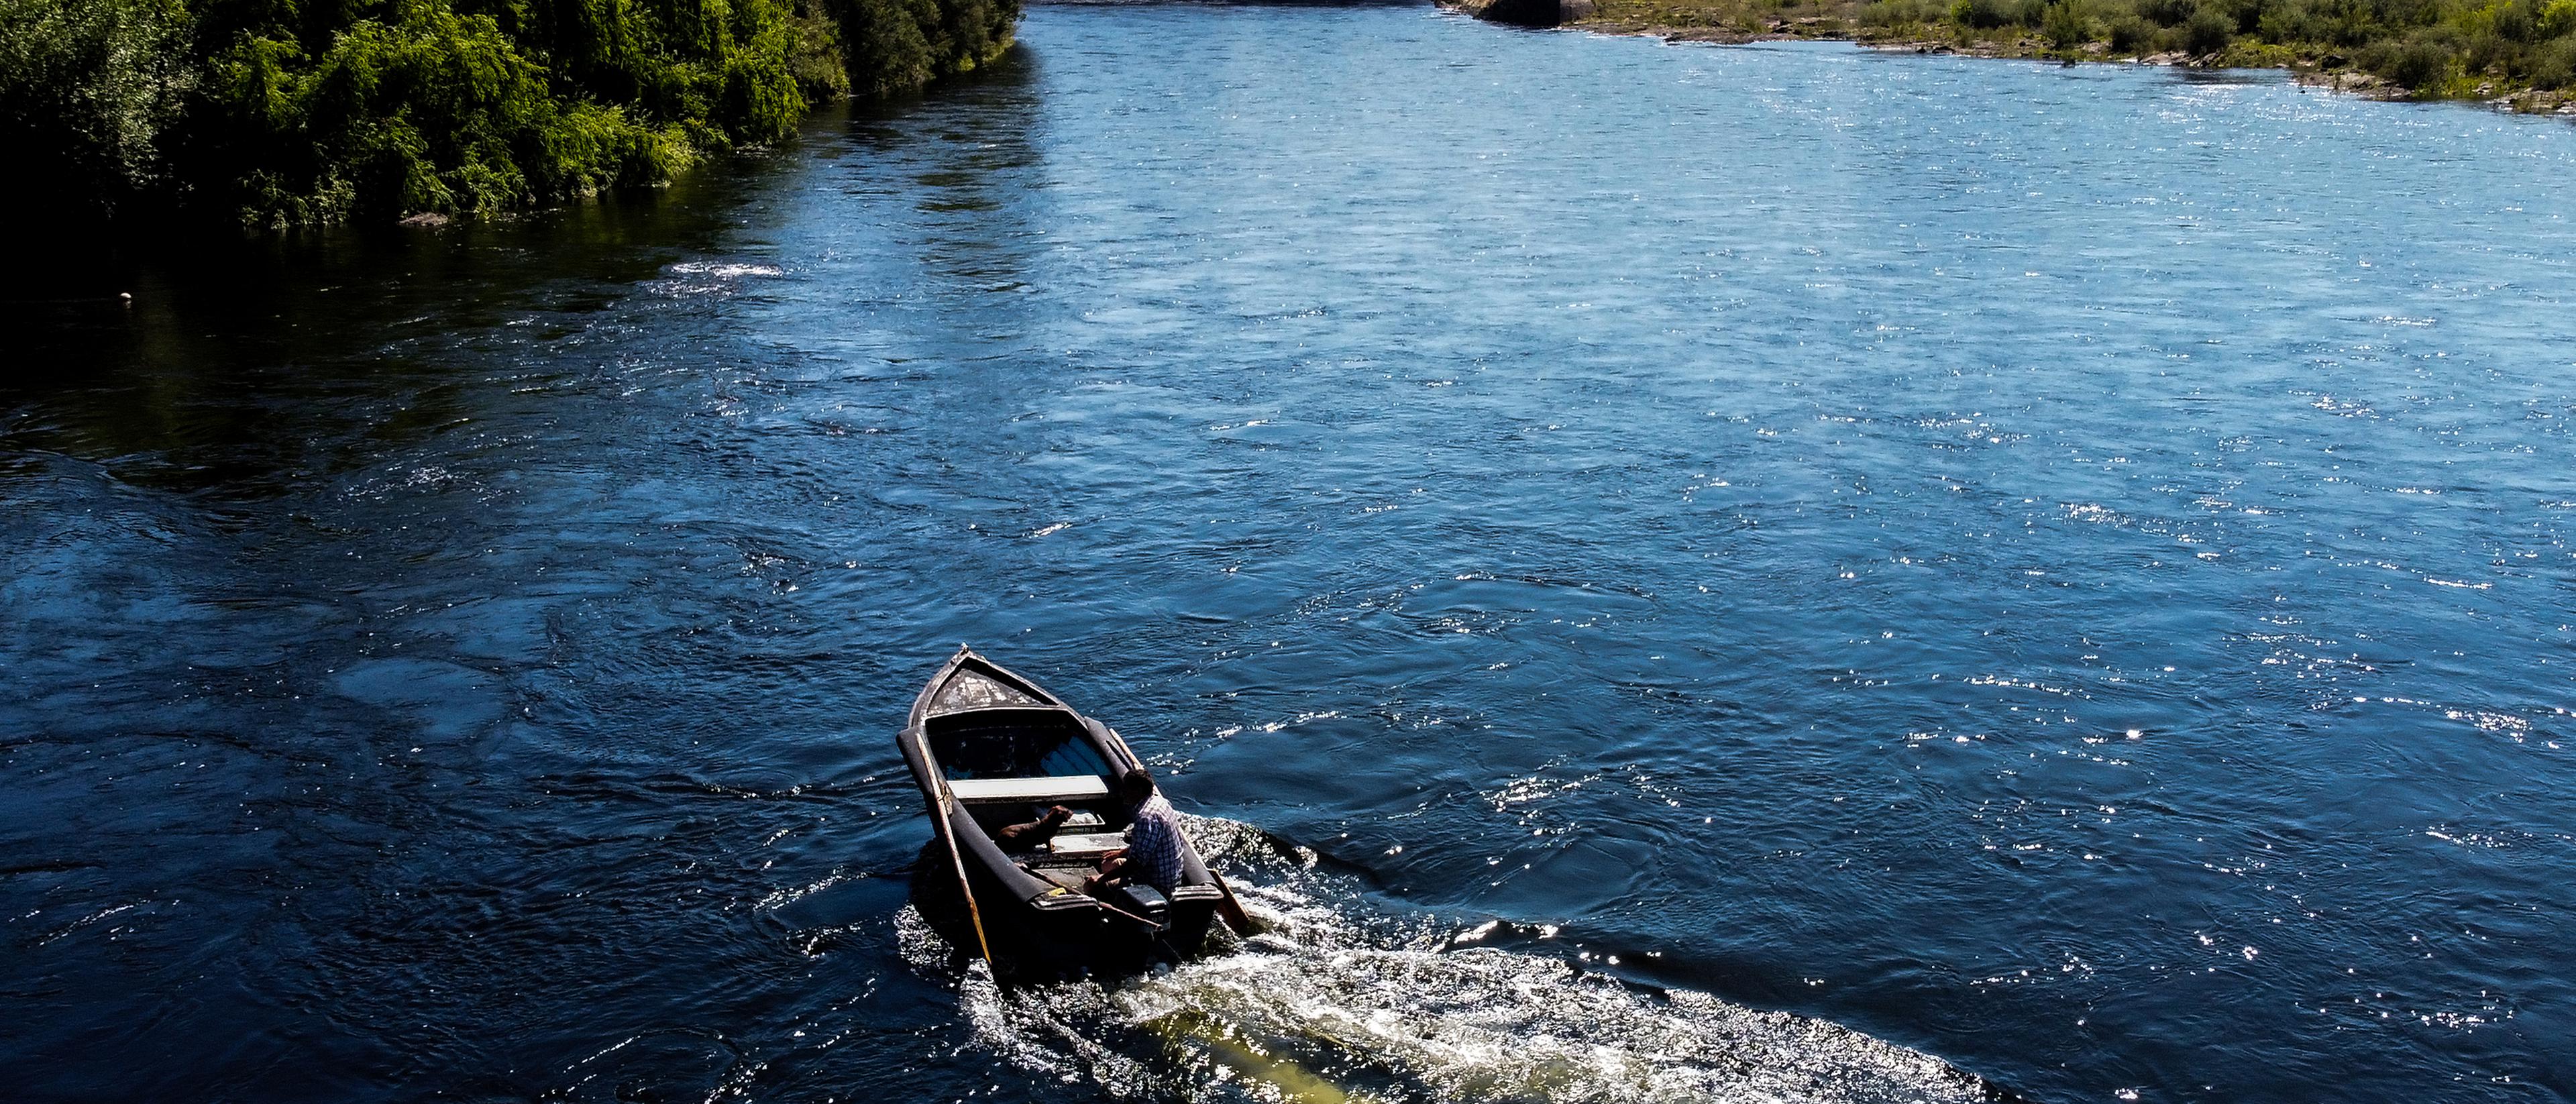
x: 283, y: 113
x: 2518, y: 51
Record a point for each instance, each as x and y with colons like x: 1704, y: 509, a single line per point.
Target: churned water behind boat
x: 1336, y: 1000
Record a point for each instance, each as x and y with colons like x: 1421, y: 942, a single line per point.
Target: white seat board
x: 1055, y: 787
x: 1091, y: 843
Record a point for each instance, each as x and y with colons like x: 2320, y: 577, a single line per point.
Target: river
x: 1675, y: 572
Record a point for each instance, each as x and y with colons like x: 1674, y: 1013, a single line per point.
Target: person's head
x: 1135, y: 786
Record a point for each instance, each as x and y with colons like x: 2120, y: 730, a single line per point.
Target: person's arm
x: 1036, y: 831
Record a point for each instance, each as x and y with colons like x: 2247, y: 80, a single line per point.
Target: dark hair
x: 1135, y: 785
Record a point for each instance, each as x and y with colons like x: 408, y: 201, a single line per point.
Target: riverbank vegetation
x: 283, y: 113
x: 2519, y: 51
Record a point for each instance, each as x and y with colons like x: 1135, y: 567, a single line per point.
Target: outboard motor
x: 1145, y: 901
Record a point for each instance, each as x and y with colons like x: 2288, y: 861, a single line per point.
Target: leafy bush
x: 1892, y: 15
x: 2207, y: 32
x: 2064, y: 25
x: 814, y: 53
x: 428, y: 111
x: 2558, y: 20
x: 2169, y: 13
x: 2554, y: 65
x: 2514, y: 22
x: 1982, y: 14
x: 86, y: 88
x: 2287, y: 23
x: 2131, y: 35
x: 2247, y: 15
x: 897, y: 45
x: 285, y: 113
x: 2487, y: 50
x: 2414, y: 63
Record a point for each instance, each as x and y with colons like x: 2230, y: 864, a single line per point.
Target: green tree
x: 2064, y: 25
x: 86, y: 89
x: 292, y: 112
x: 2207, y: 32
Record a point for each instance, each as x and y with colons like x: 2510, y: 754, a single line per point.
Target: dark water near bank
x: 2063, y: 571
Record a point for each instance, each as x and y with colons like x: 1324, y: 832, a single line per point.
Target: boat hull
x: 1034, y: 922
x: 1035, y: 944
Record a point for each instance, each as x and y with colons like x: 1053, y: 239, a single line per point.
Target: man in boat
x: 1155, y: 847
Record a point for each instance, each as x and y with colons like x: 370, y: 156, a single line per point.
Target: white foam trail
x: 1330, y: 1006
x: 724, y: 271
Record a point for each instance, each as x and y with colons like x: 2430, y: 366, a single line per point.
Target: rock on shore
x: 1528, y: 13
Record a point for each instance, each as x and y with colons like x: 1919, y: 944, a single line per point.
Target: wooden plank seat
x: 1039, y: 789
x: 1087, y: 843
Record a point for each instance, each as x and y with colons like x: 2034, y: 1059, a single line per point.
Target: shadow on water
x: 974, y: 156
x: 231, y: 502
x: 360, y: 531
x: 2221, y: 78
x: 201, y: 359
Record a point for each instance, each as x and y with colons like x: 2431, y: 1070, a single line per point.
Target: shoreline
x: 2305, y: 66
x: 2347, y: 81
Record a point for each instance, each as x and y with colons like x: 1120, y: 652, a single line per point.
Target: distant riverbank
x: 2519, y: 54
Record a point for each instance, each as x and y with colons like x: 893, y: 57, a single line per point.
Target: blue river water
x: 1763, y: 573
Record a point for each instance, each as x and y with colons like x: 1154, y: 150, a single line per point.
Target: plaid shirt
x: 1155, y: 846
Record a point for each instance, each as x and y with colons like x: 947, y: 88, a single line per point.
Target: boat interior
x: 1008, y: 765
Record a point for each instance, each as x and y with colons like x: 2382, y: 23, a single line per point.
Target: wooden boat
x: 990, y: 749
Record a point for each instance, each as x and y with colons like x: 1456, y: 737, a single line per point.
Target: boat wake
x: 1330, y: 1004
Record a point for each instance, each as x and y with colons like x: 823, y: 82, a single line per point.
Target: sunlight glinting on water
x: 1331, y: 1003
